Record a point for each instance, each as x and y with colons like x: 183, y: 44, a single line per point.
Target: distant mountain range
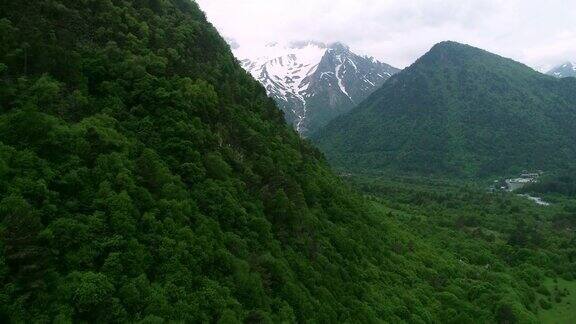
x: 462, y: 111
x: 313, y: 82
x: 565, y: 70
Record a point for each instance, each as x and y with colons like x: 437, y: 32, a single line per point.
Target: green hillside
x: 146, y: 178
x: 459, y: 111
x: 499, y: 250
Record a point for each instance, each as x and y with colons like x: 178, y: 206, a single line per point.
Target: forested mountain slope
x: 145, y: 177
x: 459, y: 111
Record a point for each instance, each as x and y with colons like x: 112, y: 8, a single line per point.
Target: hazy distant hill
x: 565, y: 70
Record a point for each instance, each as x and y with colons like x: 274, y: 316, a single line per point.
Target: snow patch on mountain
x: 340, y: 83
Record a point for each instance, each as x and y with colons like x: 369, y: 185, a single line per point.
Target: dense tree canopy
x: 145, y: 177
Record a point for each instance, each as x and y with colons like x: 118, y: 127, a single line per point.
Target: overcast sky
x: 539, y: 33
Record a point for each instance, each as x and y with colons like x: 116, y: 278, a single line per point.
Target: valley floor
x: 494, y: 251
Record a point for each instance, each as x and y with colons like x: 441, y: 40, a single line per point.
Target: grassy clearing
x: 563, y: 312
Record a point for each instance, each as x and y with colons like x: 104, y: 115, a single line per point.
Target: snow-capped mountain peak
x: 565, y: 70
x: 313, y: 82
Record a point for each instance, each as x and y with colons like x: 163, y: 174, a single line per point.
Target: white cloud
x: 535, y: 32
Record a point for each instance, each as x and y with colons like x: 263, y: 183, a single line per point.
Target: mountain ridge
x: 452, y: 112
